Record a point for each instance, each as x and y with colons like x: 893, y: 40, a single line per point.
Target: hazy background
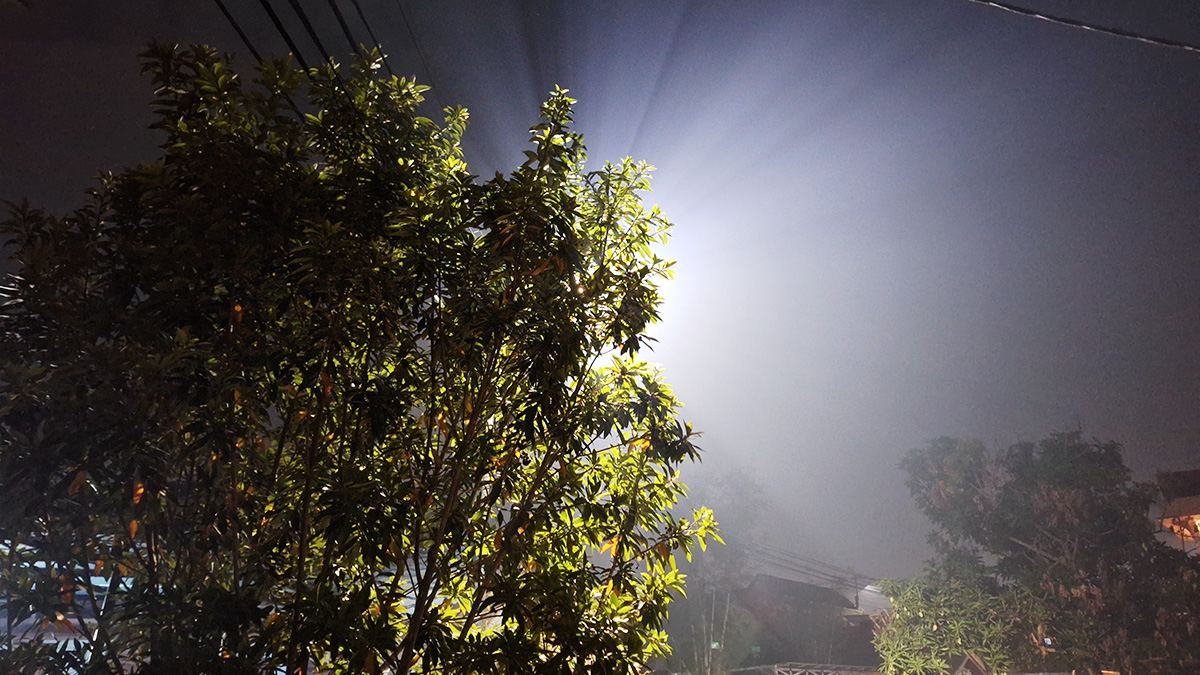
x: 896, y: 220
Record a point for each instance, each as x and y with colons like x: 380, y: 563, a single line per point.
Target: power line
x: 292, y: 44
x: 287, y: 37
x: 337, y: 13
x: 417, y: 44
x: 804, y: 559
x: 354, y: 45
x: 810, y: 566
x: 808, y: 573
x: 1116, y: 32
x: 312, y: 32
x: 811, y: 561
x: 238, y: 29
x: 363, y: 17
x: 258, y: 57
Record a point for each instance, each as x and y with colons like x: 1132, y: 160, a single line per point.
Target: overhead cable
x: 312, y: 32
x: 417, y: 44
x: 809, y: 573
x: 337, y: 13
x: 363, y: 17
x: 287, y: 37
x: 805, y: 559
x: 812, y: 566
x: 257, y: 57
x: 238, y: 29
x: 1116, y: 32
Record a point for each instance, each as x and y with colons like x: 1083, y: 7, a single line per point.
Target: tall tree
x: 710, y: 628
x: 303, y: 393
x: 1069, y: 530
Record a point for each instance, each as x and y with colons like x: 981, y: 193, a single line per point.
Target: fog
x: 895, y: 221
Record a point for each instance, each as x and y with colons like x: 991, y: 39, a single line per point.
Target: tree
x: 305, y: 394
x: 956, y: 608
x: 1076, y: 558
x: 711, y: 612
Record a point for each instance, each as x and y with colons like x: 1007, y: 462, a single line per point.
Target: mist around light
x: 895, y: 221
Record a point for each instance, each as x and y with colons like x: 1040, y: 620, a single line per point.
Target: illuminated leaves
x: 309, y: 393
x: 934, y: 620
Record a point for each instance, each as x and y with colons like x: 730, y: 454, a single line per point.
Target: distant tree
x: 1076, y: 558
x: 711, y: 612
x: 303, y: 393
x: 955, y: 608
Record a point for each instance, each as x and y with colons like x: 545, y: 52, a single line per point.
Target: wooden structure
x: 806, y: 669
x: 968, y: 664
x: 793, y: 622
x: 1181, y: 507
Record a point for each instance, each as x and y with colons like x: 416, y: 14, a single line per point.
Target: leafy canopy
x: 955, y: 608
x: 305, y: 394
x: 1075, y: 564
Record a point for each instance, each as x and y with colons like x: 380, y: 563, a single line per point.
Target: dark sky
x: 895, y: 220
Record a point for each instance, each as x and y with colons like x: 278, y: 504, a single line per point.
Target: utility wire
x: 811, y: 561
x: 363, y: 17
x: 1116, y: 32
x: 355, y: 46
x: 417, y: 44
x: 811, y: 566
x: 337, y: 12
x: 287, y: 37
x: 238, y: 29
x: 803, y: 559
x: 312, y: 32
x: 257, y: 57
x: 809, y: 573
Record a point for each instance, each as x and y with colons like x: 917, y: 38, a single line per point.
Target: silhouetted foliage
x: 1076, y: 568
x: 305, y: 393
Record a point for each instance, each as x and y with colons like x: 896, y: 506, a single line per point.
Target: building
x: 796, y: 622
x: 1181, y: 506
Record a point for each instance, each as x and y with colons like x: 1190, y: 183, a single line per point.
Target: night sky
x: 895, y: 220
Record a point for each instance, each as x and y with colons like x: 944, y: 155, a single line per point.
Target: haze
x: 895, y: 220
